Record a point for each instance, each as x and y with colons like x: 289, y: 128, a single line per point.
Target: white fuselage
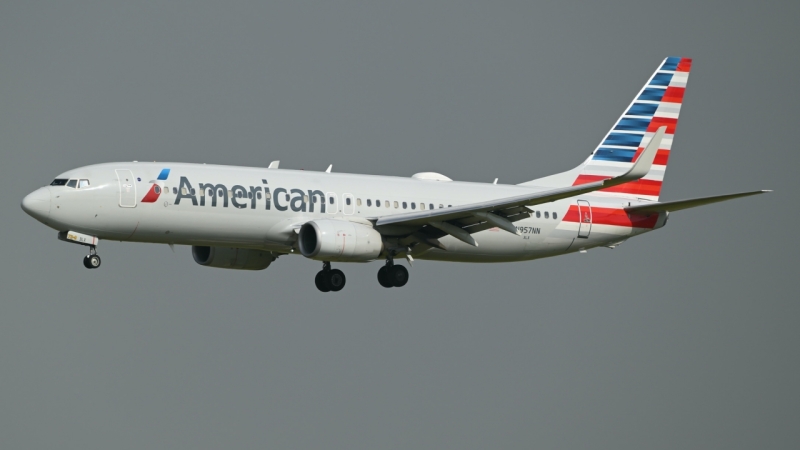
x: 263, y: 209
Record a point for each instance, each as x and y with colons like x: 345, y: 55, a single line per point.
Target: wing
x: 463, y: 220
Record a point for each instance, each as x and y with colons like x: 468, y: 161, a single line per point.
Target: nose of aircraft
x: 37, y: 204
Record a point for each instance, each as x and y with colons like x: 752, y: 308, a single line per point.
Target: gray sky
x: 683, y: 338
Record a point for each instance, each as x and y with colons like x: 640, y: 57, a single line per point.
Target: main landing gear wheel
x: 398, y: 275
x: 322, y: 281
x: 329, y: 279
x: 336, y: 280
x: 91, y: 261
x: 383, y: 278
x: 392, y: 276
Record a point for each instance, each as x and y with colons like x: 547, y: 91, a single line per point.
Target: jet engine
x: 339, y: 240
x: 232, y: 258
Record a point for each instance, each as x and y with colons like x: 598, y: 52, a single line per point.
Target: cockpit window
x: 83, y: 183
x: 72, y: 183
x: 59, y: 182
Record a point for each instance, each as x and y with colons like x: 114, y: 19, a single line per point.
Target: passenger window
x: 386, y: 203
x: 538, y: 214
x: 175, y: 190
x: 369, y: 202
x: 183, y: 190
x: 405, y: 205
x: 555, y: 216
x: 396, y: 205
x: 268, y: 195
x: 421, y: 205
x: 431, y: 206
x: 441, y: 206
x: 377, y: 203
x: 258, y: 195
x: 286, y: 196
x: 546, y: 215
x: 347, y: 201
x: 330, y: 200
x: 193, y: 191
x: 358, y: 202
x: 83, y: 184
x: 250, y: 195
x: 305, y: 198
x: 72, y: 183
x: 413, y: 205
x: 59, y: 182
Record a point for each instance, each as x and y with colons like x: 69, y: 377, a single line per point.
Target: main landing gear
x: 391, y: 275
x: 92, y: 260
x: 329, y: 279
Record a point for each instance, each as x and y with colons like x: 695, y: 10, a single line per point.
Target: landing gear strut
x: 329, y: 279
x: 92, y: 260
x: 391, y: 275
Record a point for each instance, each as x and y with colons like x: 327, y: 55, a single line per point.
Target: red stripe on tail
x: 638, y: 187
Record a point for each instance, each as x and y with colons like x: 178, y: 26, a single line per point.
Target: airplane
x: 245, y: 218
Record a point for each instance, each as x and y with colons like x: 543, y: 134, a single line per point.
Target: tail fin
x: 657, y: 104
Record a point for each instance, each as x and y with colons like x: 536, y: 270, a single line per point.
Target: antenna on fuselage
x: 274, y: 165
x: 328, y: 170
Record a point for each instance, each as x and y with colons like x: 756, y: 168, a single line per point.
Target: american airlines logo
x: 242, y: 197
x: 155, y: 190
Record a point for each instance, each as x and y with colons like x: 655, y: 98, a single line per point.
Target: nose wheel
x: 92, y: 260
x: 328, y: 279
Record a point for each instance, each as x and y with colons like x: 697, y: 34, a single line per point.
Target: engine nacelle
x: 339, y: 240
x: 232, y: 258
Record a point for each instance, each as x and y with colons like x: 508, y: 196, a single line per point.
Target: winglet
x: 642, y: 165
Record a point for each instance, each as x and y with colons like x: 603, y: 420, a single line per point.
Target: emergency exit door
x: 585, y: 219
x: 127, y: 188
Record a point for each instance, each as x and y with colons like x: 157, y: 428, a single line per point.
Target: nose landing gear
x: 92, y: 260
x: 329, y: 279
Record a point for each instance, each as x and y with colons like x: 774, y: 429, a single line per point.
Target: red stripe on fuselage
x: 613, y: 216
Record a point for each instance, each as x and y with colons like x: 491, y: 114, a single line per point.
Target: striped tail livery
x: 657, y: 104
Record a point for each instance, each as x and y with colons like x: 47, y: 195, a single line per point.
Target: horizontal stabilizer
x: 691, y: 203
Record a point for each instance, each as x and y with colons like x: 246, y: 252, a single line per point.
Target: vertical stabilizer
x: 657, y: 104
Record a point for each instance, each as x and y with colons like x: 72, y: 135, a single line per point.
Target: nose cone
x: 37, y: 204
